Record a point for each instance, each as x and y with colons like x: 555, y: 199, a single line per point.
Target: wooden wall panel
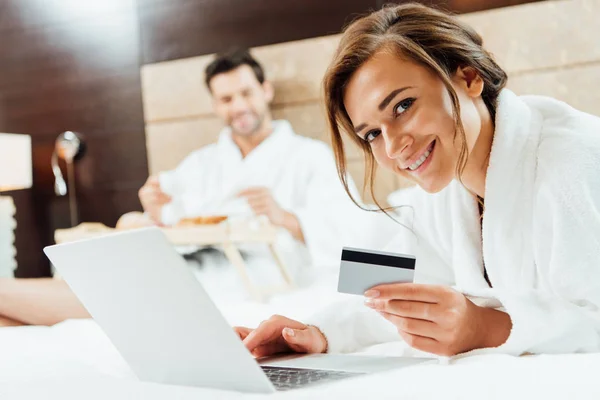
x: 72, y: 66
x: 176, y: 89
x: 463, y: 6
x: 170, y: 142
x: 562, y: 32
x: 179, y: 29
x: 567, y: 84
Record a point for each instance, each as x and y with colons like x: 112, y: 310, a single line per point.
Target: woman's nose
x: 395, y: 142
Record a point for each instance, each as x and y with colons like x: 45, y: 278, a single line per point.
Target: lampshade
x: 15, y: 161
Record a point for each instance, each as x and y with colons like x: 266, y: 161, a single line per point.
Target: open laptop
x: 159, y: 317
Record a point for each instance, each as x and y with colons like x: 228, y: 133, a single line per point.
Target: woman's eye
x: 403, y: 106
x: 372, y: 135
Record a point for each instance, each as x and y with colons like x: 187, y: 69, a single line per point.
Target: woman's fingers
x: 406, y: 308
x: 414, y: 326
x: 426, y: 344
x: 265, y: 333
x: 298, y: 340
x: 280, y: 334
x: 306, y: 340
x: 270, y: 349
x: 270, y: 331
x: 409, y: 291
x: 242, y: 331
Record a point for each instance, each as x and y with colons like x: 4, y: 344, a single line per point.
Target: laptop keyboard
x: 292, y: 378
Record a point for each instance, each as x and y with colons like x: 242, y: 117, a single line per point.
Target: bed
x: 75, y: 359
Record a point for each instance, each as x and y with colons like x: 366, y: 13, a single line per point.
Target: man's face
x: 240, y: 100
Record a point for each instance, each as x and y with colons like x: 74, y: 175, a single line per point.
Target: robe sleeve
x: 350, y: 326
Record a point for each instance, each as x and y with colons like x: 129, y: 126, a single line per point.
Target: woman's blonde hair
x: 432, y: 38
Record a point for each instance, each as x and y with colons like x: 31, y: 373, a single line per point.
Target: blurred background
x: 83, y: 65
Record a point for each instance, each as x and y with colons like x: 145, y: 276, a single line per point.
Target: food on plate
x: 204, y: 220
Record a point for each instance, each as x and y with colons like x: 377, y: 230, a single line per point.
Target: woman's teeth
x: 420, y: 160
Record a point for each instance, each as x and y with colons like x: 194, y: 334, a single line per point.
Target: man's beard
x: 253, y: 129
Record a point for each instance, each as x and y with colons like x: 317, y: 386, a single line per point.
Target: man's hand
x: 262, y: 202
x: 438, y: 319
x: 282, y: 335
x: 153, y: 199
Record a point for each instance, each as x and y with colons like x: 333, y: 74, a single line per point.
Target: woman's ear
x: 470, y: 80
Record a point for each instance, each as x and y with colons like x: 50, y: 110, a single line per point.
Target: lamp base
x: 8, y: 224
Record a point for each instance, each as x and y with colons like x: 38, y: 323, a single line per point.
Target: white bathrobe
x: 541, y: 236
x: 299, y: 171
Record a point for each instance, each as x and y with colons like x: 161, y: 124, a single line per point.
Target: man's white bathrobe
x: 541, y: 236
x: 299, y: 171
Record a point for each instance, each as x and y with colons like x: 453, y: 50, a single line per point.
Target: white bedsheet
x: 75, y: 360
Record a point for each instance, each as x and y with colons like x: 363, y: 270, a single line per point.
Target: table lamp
x: 15, y: 174
x: 68, y: 146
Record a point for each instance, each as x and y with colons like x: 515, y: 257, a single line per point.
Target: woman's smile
x: 419, y: 163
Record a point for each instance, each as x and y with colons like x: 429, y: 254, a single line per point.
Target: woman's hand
x: 438, y: 319
x: 282, y: 335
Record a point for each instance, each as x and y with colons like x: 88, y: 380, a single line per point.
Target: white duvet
x: 75, y: 360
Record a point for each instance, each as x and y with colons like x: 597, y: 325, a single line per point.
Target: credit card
x: 361, y: 269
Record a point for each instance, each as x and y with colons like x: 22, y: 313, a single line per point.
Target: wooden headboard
x: 550, y: 48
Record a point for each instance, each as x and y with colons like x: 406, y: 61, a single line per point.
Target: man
x: 258, y: 165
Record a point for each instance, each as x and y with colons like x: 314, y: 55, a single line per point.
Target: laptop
x: 144, y: 296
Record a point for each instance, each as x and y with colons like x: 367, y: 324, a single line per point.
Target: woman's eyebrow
x: 384, y: 103
x: 391, y: 96
x: 360, y: 128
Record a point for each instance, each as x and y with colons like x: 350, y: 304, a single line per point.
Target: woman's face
x: 404, y: 112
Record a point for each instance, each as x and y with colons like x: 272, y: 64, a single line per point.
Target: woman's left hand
x: 438, y: 319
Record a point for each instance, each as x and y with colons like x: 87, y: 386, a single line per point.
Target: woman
x: 508, y: 221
